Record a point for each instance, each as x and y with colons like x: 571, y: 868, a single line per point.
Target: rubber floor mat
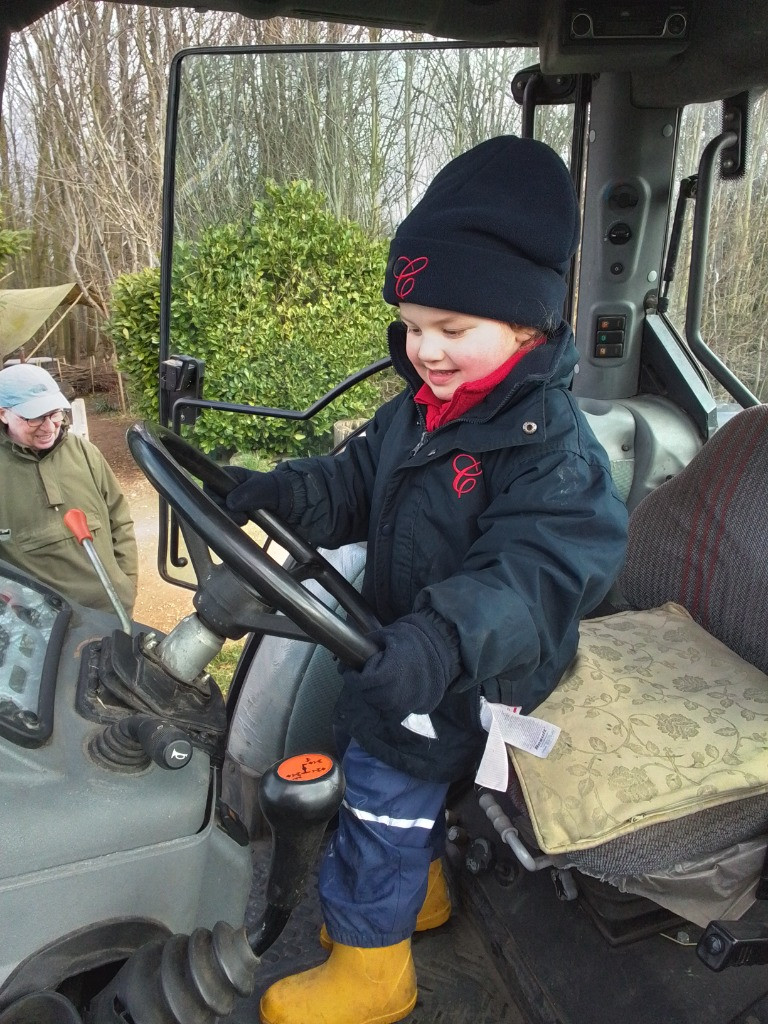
x: 458, y: 982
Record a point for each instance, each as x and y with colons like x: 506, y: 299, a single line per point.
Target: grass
x: 223, y: 666
x: 254, y: 460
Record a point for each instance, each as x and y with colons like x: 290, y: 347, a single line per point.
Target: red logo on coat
x: 467, y: 469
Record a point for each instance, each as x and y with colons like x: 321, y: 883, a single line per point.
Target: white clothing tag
x: 505, y: 725
x: 421, y: 725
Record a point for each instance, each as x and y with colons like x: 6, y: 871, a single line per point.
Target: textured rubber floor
x: 458, y: 982
x: 538, y: 960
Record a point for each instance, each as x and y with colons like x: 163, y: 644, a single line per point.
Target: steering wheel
x: 167, y: 461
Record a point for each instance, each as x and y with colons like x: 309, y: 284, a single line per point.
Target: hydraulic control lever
x: 193, y: 979
x: 75, y: 521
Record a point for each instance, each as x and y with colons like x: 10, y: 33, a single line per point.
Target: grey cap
x: 29, y: 391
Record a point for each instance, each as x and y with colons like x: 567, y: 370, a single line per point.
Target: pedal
x: 733, y: 944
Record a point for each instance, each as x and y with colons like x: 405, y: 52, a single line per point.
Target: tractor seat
x: 660, y: 773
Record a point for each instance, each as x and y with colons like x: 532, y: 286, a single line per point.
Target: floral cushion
x: 659, y: 720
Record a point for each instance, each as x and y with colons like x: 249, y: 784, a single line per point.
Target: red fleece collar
x: 466, y: 395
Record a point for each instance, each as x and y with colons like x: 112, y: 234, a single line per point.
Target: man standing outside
x: 44, y: 472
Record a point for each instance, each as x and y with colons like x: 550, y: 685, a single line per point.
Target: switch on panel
x: 611, y: 323
x: 609, y: 337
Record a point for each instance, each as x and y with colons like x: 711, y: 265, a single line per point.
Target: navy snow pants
x: 373, y: 876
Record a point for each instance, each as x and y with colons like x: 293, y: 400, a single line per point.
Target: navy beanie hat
x: 492, y: 236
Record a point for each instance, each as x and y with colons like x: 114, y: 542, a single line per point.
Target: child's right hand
x: 411, y: 671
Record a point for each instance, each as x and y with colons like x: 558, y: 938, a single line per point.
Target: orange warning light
x: 305, y: 767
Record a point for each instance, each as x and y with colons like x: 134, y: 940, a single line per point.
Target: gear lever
x: 195, y: 979
x: 78, y: 524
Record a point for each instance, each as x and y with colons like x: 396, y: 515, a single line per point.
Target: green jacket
x: 36, y: 489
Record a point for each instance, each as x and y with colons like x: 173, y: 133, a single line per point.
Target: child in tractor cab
x: 493, y: 527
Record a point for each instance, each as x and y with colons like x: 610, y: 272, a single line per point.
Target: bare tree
x: 735, y: 301
x: 83, y: 138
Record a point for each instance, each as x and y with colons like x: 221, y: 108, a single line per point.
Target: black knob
x: 479, y: 856
x: 166, y: 745
x: 131, y: 743
x: 298, y: 797
x: 581, y: 26
x: 676, y: 25
x: 619, y: 234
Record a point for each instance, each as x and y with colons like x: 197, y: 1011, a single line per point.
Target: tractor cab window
x: 287, y: 172
x: 734, y: 306
x: 291, y: 169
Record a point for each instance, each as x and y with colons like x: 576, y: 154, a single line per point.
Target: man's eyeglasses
x: 56, y: 417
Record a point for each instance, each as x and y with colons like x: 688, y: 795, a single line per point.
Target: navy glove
x: 254, y: 490
x: 412, y: 670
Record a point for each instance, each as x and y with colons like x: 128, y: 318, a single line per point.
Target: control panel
x: 33, y: 620
x: 609, y: 336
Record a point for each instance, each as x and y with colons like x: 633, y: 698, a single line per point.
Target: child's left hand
x: 410, y: 673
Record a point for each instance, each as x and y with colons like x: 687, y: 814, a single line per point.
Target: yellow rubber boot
x: 353, y: 986
x: 435, y: 910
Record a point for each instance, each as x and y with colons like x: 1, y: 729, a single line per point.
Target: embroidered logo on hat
x: 404, y: 272
x: 498, y: 226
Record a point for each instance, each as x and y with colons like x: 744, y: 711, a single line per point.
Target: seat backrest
x: 648, y: 440
x: 700, y: 540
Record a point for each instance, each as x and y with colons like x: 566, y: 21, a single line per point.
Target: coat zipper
x: 420, y: 445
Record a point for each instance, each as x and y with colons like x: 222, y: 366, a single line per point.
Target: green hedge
x: 12, y: 243
x: 281, y: 308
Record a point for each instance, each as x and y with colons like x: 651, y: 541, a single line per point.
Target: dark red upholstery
x: 701, y: 539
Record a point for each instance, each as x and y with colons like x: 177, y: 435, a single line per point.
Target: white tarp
x: 24, y: 310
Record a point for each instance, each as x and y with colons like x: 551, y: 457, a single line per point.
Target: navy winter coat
x: 501, y: 528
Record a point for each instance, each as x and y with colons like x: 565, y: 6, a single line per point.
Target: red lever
x: 78, y: 524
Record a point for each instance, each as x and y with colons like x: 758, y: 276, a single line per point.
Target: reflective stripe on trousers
x: 373, y: 877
